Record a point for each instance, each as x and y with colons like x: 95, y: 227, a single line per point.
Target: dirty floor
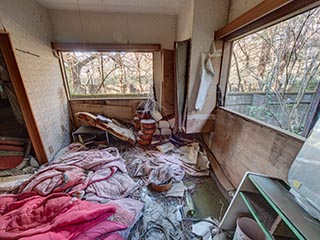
x: 166, y: 213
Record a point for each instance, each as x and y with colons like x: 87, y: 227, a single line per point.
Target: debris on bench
x: 164, y: 148
x: 124, y: 134
x: 88, y: 135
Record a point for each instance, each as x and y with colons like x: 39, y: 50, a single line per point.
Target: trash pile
x: 159, y: 160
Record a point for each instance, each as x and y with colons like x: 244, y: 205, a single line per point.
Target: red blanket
x: 55, y: 217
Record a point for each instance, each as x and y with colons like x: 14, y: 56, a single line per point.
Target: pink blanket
x: 100, y: 174
x: 59, y: 216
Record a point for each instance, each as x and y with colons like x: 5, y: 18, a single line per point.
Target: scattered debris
x: 141, y: 114
x: 156, y: 115
x: 163, y: 187
x: 164, y: 124
x: 165, y: 147
x: 119, y: 132
x: 136, y: 123
x: 165, y: 131
x: 202, y: 160
x: 11, y: 183
x: 33, y: 162
x: 147, y: 130
x: 177, y: 190
x: 172, y: 123
x: 23, y: 168
x: 189, y: 153
x: 155, y: 176
x: 157, y: 132
x: 87, y: 135
x: 204, y: 228
x: 189, y: 209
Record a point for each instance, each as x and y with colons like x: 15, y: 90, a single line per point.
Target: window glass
x: 274, y: 73
x: 108, y: 74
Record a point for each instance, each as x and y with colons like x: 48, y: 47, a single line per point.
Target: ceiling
x: 171, y: 7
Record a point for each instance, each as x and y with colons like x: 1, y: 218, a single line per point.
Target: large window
x: 108, y: 74
x: 274, y: 73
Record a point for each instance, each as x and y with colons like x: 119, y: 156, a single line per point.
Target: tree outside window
x: 274, y: 72
x: 108, y: 74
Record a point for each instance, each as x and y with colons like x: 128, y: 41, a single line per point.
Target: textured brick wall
x: 30, y: 30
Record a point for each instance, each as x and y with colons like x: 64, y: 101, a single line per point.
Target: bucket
x: 248, y: 229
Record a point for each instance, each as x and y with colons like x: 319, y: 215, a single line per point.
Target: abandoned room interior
x: 149, y: 119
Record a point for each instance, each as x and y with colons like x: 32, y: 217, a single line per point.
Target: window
x: 274, y: 73
x: 108, y: 74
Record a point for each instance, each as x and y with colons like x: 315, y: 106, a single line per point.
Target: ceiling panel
x: 170, y: 7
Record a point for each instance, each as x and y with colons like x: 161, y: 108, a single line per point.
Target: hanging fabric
x: 206, y: 76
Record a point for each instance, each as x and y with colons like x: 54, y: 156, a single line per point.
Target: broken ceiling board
x: 240, y: 144
x: 120, y: 112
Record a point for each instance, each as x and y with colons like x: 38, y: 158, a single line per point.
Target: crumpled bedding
x: 160, y: 168
x: 95, y: 175
x: 11, y: 183
x: 157, y: 169
x: 28, y: 216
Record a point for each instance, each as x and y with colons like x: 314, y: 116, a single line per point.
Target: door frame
x: 18, y: 85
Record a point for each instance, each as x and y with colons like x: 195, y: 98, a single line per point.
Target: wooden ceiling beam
x: 105, y: 47
x: 263, y: 15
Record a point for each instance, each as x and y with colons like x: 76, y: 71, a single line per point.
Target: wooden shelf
x: 272, y: 205
x: 277, y: 194
x: 256, y: 213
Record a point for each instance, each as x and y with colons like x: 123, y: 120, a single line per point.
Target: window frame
x: 59, y: 48
x: 258, y: 18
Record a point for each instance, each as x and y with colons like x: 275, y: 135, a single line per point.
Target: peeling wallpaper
x: 30, y: 30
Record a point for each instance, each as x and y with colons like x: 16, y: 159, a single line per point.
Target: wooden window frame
x: 265, y: 14
x: 262, y: 16
x: 105, y: 47
x: 100, y: 47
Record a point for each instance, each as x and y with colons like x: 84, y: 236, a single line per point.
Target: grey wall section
x: 209, y: 15
x: 239, y: 7
x: 30, y: 29
x: 95, y: 27
x: 185, y: 21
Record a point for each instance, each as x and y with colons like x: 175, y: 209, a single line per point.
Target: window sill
x: 108, y: 98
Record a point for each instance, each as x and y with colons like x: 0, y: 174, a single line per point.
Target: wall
x: 97, y: 27
x: 240, y: 144
x: 30, y: 30
x: 185, y: 21
x: 239, y: 7
x: 94, y: 27
x: 209, y: 15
